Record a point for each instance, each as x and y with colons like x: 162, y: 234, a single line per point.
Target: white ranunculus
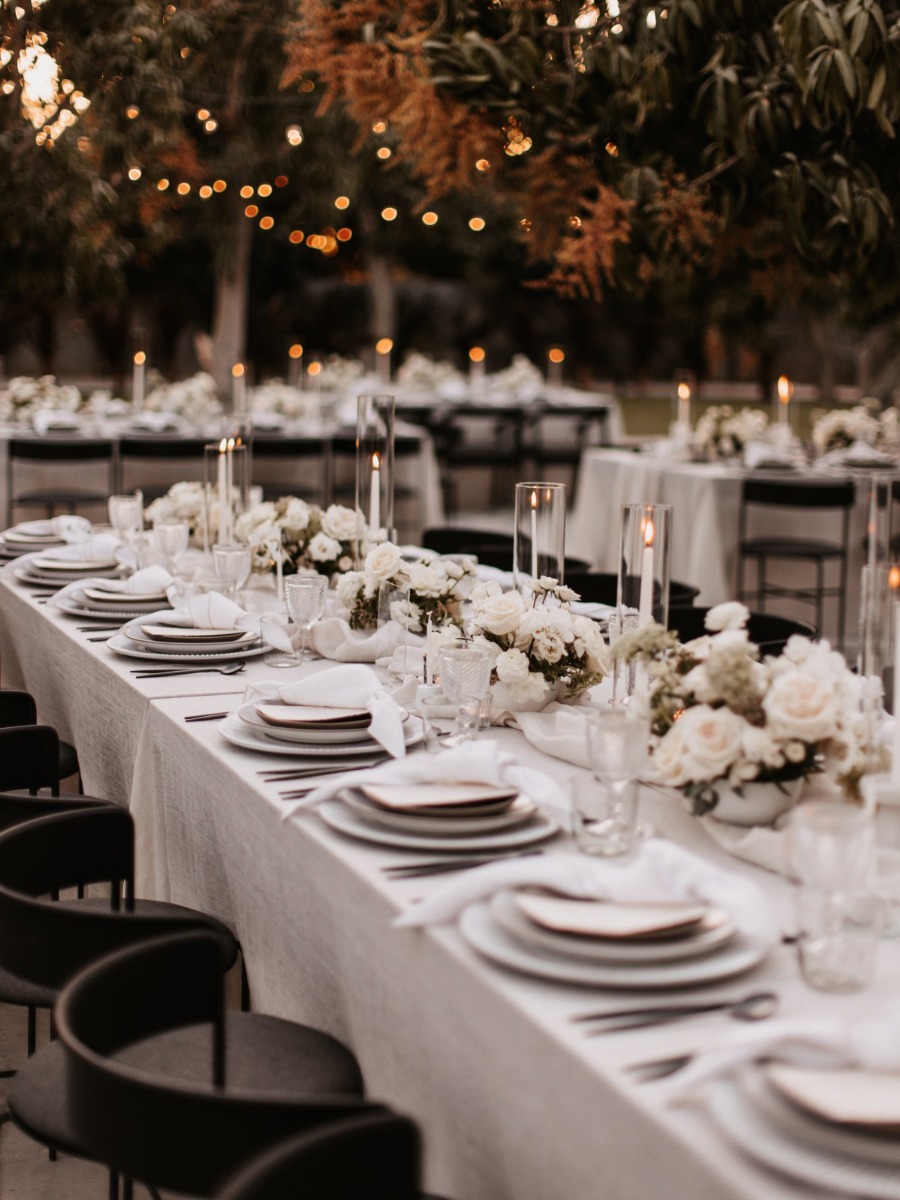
x: 406, y: 614
x: 384, y: 561
x: 340, y: 522
x: 347, y: 587
x: 499, y: 612
x: 547, y: 632
x: 730, y: 615
x: 426, y: 580
x: 322, y: 548
x: 589, y: 644
x: 800, y: 706
x: 712, y: 738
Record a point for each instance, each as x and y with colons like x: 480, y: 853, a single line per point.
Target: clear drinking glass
x: 126, y: 513
x: 232, y: 562
x: 304, y: 596
x: 606, y: 812
x: 172, y: 538
x: 465, y: 671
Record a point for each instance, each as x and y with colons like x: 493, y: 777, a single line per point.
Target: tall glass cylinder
x: 375, y: 468
x: 226, y: 485
x: 644, y: 561
x: 539, y: 544
x: 877, y: 650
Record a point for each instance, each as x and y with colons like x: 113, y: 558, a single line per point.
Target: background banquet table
x: 705, y: 499
x: 515, y: 1102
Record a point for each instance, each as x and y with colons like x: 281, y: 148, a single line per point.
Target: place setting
x: 31, y: 537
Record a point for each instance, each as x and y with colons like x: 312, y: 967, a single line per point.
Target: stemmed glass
x: 606, y: 817
x: 172, y: 538
x: 304, y: 596
x: 232, y: 562
x: 126, y: 514
x: 465, y: 674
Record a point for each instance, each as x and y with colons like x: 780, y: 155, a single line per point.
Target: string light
x: 342, y: 202
x: 429, y: 218
x: 379, y: 126
x: 267, y: 223
x: 296, y: 351
x: 389, y: 214
x: 264, y: 189
x: 296, y: 237
x: 294, y: 135
x: 383, y: 152
x: 135, y: 173
x: 251, y: 210
x: 476, y: 224
x: 246, y: 192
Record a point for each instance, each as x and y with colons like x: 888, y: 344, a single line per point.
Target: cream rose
x: 670, y: 759
x: 296, y: 514
x: 499, y: 613
x: 800, y: 706
x: 384, y: 561
x: 322, y: 548
x: 730, y: 615
x: 340, y: 523
x: 712, y: 739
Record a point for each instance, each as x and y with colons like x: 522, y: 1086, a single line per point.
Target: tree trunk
x: 232, y: 287
x: 382, y: 301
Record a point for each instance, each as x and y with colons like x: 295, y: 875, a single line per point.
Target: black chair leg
x: 113, y: 1186
x: 32, y: 1029
x: 245, y: 986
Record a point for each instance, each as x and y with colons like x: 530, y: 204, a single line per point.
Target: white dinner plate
x: 247, y: 640
x: 236, y: 731
x: 869, y: 1100
x: 128, y: 649
x: 343, y: 819
x: 771, y: 1140
x: 483, y: 933
x: 103, y: 596
x: 75, y: 608
x: 511, y: 919
x: 440, y: 825
x: 302, y: 737
x: 311, y: 716
x: 28, y: 575
x: 87, y: 566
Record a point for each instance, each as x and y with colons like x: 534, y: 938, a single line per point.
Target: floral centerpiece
x: 338, y: 374
x: 274, y: 396
x: 307, y: 537
x: 185, y: 502
x: 723, y: 432
x: 420, y: 372
x: 542, y: 650
x: 24, y: 396
x: 196, y: 399
x: 721, y: 718
x: 433, y: 590
x: 521, y: 379
x: 843, y: 427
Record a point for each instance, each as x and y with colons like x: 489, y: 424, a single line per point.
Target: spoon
x: 754, y: 1007
x: 230, y: 668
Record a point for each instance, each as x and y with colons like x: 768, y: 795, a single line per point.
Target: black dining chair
x: 776, y: 496
x: 160, y: 1083
x: 19, y: 708
x: 153, y: 462
x: 766, y: 630
x: 601, y: 587
x: 303, y: 466
x: 74, y: 460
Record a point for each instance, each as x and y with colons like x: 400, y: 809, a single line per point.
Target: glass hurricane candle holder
x: 226, y: 488
x: 644, y: 554
x: 539, y: 543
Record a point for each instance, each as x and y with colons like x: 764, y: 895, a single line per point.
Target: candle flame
x: 376, y: 462
x: 230, y: 445
x: 649, y: 532
x: 296, y: 351
x: 314, y: 368
x: 237, y: 370
x: 556, y: 355
x: 476, y: 354
x: 684, y: 391
x: 894, y: 578
x: 140, y: 358
x: 223, y: 445
x: 534, y: 499
x: 384, y: 346
x: 784, y: 389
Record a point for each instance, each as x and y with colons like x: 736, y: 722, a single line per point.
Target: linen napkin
x: 860, y: 453
x: 871, y: 1042
x: 334, y: 639
x: 71, y: 528
x: 215, y: 611
x: 558, y: 730
x: 472, y: 762
x: 658, y: 873
x: 43, y: 422
x: 348, y: 686
x: 96, y: 547
x: 156, y: 422
x: 148, y: 580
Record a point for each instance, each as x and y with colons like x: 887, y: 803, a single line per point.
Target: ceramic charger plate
x: 312, y: 736
x: 440, y: 824
x: 239, y: 733
x: 120, y: 644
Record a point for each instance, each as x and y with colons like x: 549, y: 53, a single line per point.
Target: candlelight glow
x: 237, y: 370
x: 649, y: 533
x: 376, y: 462
x: 556, y: 355
x: 140, y: 358
x: 784, y: 389
x: 384, y: 346
x: 476, y: 354
x: 534, y: 500
x: 684, y: 391
x: 894, y: 578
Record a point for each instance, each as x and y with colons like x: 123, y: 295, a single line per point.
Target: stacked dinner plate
x: 338, y: 736
x: 439, y: 817
x: 49, y: 570
x: 31, y: 537
x: 836, y: 1130
x: 602, y: 944
x: 95, y: 601
x: 175, y: 643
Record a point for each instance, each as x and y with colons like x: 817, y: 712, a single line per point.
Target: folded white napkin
x: 658, y: 873
x: 758, y: 454
x: 872, y: 1043
x: 71, y: 528
x: 558, y: 730
x: 44, y: 421
x: 215, y: 611
x: 333, y: 638
x: 98, y: 547
x: 348, y: 686
x: 473, y: 762
x: 859, y: 452
x: 146, y: 581
x: 156, y: 422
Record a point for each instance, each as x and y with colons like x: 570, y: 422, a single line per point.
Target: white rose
x: 340, y: 523
x: 730, y: 615
x: 347, y: 587
x: 384, y: 561
x: 427, y: 581
x: 712, y: 738
x: 296, y: 514
x: 322, y: 548
x: 670, y: 758
x: 759, y: 747
x: 512, y: 666
x: 802, y: 707
x: 499, y: 613
x: 547, y: 632
x: 589, y: 644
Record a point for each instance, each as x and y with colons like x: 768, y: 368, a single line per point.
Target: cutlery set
x: 756, y: 1006
x: 230, y: 668
x: 445, y: 866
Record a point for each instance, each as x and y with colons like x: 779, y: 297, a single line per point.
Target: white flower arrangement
x: 521, y: 379
x: 540, y: 646
x: 433, y: 590
x: 305, y: 536
x: 196, y: 398
x: 719, y: 714
x: 420, y: 372
x: 274, y: 396
x: 338, y: 374
x: 723, y: 432
x: 185, y: 502
x: 842, y: 427
x: 24, y: 396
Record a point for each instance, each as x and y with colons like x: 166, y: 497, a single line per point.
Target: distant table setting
x: 552, y: 964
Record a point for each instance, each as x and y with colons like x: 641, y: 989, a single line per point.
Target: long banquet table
x: 514, y: 1101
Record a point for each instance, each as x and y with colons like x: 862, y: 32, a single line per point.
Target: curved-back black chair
x: 19, y: 708
x: 375, y: 1155
x: 155, y: 450
x: 312, y: 482
x: 820, y: 495
x: 489, y: 547
x: 767, y: 631
x: 600, y: 587
x: 62, y: 452
x: 29, y: 758
x: 137, y: 1103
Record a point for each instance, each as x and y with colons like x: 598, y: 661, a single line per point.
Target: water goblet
x: 126, y: 513
x: 172, y: 538
x: 465, y: 671
x: 232, y: 562
x: 304, y: 596
x: 606, y: 812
